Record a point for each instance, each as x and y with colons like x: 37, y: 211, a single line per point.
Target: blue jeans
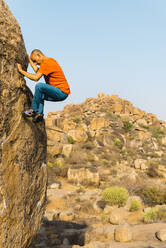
x: 46, y: 92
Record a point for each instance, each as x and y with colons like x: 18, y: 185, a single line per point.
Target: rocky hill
x: 107, y: 174
x: 109, y: 134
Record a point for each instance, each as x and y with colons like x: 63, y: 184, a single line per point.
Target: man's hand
x: 34, y: 77
x: 30, y: 60
x: 19, y: 67
x: 33, y: 64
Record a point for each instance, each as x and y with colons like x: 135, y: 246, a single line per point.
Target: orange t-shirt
x: 54, y: 75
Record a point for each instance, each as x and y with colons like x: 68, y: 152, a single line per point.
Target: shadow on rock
x: 57, y: 233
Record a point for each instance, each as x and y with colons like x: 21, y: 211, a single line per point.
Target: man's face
x: 36, y: 58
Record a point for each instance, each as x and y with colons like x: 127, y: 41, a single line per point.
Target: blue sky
x: 111, y: 46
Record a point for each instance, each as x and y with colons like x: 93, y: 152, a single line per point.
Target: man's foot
x: 29, y: 113
x: 37, y: 118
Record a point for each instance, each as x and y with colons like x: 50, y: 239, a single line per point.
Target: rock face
x: 23, y: 174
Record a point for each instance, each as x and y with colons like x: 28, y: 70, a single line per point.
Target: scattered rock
x: 118, y: 216
x: 161, y: 235
x: 54, y: 148
x: 95, y: 244
x: 108, y: 209
x: 163, y: 140
x: 55, y: 185
x: 98, y: 123
x: 78, y: 135
x: 49, y: 122
x: 68, y: 125
x: 140, y: 164
x: 51, y: 214
x: 67, y: 149
x: 123, y: 233
x: 83, y: 175
x: 97, y: 207
x: 142, y: 122
x: 66, y: 216
x: 132, y: 176
x: 66, y: 242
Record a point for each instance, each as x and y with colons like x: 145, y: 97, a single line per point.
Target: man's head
x: 37, y: 56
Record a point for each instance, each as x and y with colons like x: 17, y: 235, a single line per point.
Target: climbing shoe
x: 29, y: 113
x: 37, y: 118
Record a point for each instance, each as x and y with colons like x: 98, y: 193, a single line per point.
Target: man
x: 55, y: 89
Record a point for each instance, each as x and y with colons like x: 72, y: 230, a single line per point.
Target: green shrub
x: 123, y: 152
x: 77, y: 119
x: 105, y: 217
x: 144, y: 126
x: 162, y: 213
x: 117, y: 142
x: 150, y: 215
x: 127, y: 126
x: 157, y: 133
x: 135, y: 205
x: 154, y: 155
x: 70, y: 140
x: 154, y: 195
x: 59, y: 164
x: 154, y: 215
x: 50, y: 165
x: 105, y: 162
x: 115, y: 195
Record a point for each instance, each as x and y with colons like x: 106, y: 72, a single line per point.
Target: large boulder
x: 83, y: 175
x: 161, y: 235
x: 23, y: 173
x: 118, y: 215
x: 123, y: 233
x: 98, y: 123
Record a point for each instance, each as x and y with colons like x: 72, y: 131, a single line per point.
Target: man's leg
x: 46, y: 92
x: 38, y: 99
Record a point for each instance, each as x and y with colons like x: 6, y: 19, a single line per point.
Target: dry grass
x: 77, y: 157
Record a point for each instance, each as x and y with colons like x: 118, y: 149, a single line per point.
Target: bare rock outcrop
x: 108, y: 131
x: 23, y: 174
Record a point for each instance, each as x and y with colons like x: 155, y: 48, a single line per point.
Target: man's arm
x: 34, y: 77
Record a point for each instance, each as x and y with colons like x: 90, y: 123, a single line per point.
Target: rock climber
x: 55, y: 89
